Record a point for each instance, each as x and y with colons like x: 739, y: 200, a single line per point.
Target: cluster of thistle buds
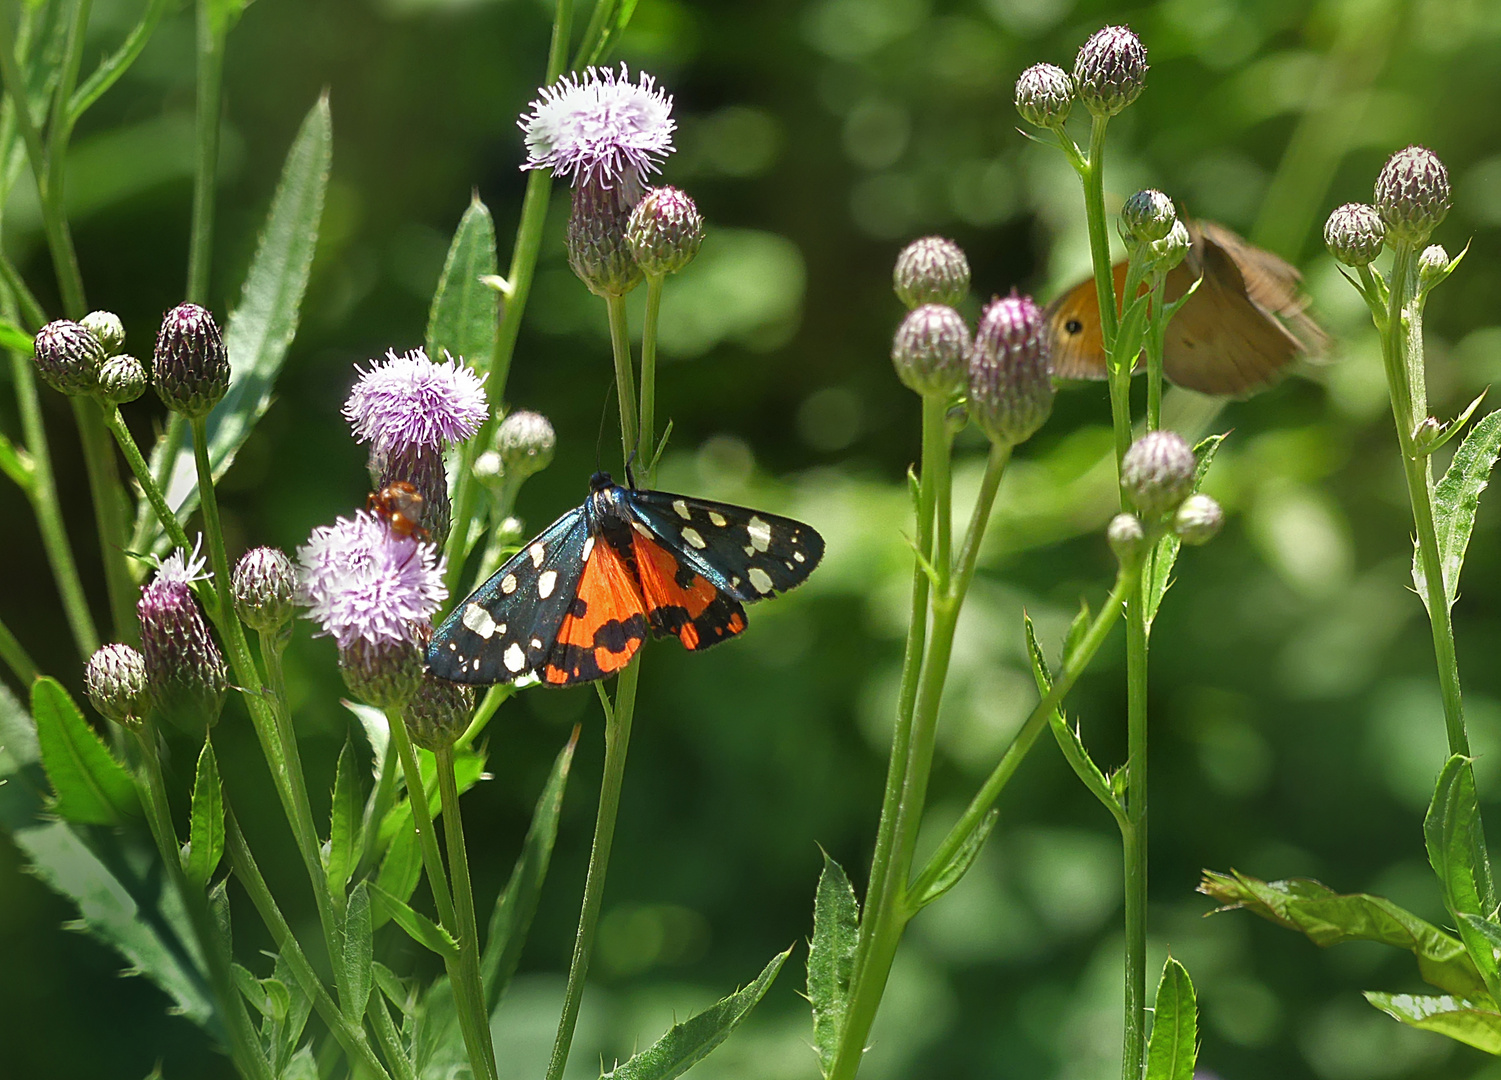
x: 1158, y: 474
x: 1154, y: 234
x: 1412, y: 197
x: 1110, y: 72
x: 1001, y: 371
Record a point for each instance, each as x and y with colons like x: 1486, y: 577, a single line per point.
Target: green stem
x: 110, y: 70
x: 1134, y: 837
x: 52, y: 179
x: 617, y: 741
x: 30, y: 308
x: 381, y: 801
x: 110, y: 516
x: 1099, y: 239
x: 126, y: 441
x: 210, y: 94
x: 1156, y: 340
x: 15, y: 655
x: 389, y: 1038
x: 625, y: 375
x: 648, y: 446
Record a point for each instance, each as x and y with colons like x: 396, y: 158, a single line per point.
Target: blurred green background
x: 1296, y: 721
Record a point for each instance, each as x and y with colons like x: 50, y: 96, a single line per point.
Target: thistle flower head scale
x: 599, y: 127
x: 1044, y: 95
x: 68, y: 357
x: 362, y: 582
x: 422, y: 467
x: 1148, y: 216
x: 1110, y: 70
x: 190, y: 365
x: 599, y: 251
x: 1157, y: 472
x: 1412, y: 193
x: 265, y: 587
x: 122, y: 378
x: 931, y: 270
x: 1010, y: 387
x: 1127, y: 538
x: 438, y: 712
x: 381, y: 673
x: 115, y: 681
x: 185, y: 672
x: 1355, y: 234
x: 107, y: 328
x: 665, y: 231
x: 931, y: 350
x: 407, y: 400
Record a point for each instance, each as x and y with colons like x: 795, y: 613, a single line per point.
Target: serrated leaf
x: 1429, y: 441
x: 344, y: 823
x: 401, y: 869
x: 299, y: 1006
x: 461, y: 320
x: 206, y: 823
x: 1328, y: 918
x: 90, y: 786
x: 1451, y: 831
x: 517, y: 903
x: 1463, y: 1021
x: 303, y: 1066
x: 1455, y: 500
x: 959, y: 865
x: 1173, y: 1046
x: 1068, y: 738
x: 831, y: 958
x: 419, y: 927
x: 688, y: 1043
x: 359, y: 954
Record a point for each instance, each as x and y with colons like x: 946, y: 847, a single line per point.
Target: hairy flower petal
x: 361, y: 581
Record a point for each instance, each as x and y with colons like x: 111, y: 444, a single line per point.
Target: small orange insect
x: 399, y: 505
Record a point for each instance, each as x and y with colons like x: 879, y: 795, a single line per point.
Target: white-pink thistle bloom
x: 407, y: 401
x: 597, y: 128
x: 362, y: 582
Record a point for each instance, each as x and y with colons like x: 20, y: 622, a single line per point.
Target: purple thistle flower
x: 408, y: 401
x: 362, y: 582
x: 185, y: 673
x: 600, y: 128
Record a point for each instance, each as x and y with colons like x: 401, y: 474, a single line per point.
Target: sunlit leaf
x: 461, y: 321
x: 1461, y: 1020
x: 206, y: 823
x: 401, y: 869
x: 831, y: 958
x: 344, y: 823
x: 1068, y: 738
x: 1173, y: 1047
x: 606, y: 26
x: 91, y: 787
x: 1456, y: 851
x: 359, y: 953
x: 950, y: 874
x: 1455, y: 500
x: 419, y: 927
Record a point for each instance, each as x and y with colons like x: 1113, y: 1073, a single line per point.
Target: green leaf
x: 419, y: 927
x: 691, y: 1041
x: 261, y: 328
x: 517, y: 904
x: 359, y: 954
x: 1463, y: 1021
x: 1455, y: 499
x: 1069, y: 740
x: 299, y: 1006
x: 1173, y: 1047
x: 1328, y: 918
x: 1431, y: 440
x: 461, y: 321
x: 223, y: 14
x: 959, y: 865
x: 14, y: 338
x: 206, y: 825
x: 303, y: 1066
x: 831, y: 958
x: 401, y: 869
x: 468, y: 767
x: 1132, y: 328
x: 17, y: 465
x: 606, y: 26
x: 1076, y: 631
x: 1455, y: 844
x: 344, y: 823
x: 91, y: 787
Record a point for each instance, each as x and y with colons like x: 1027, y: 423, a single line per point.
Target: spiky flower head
x: 382, y: 673
x: 1127, y: 538
x: 525, y: 442
x: 423, y: 468
x: 185, y: 672
x: 598, y: 127
x: 1355, y: 234
x: 1148, y: 216
x: 1010, y: 389
x: 122, y: 378
x: 931, y: 270
x: 1157, y: 472
x: 190, y: 367
x: 408, y: 400
x: 1044, y: 95
x: 598, y: 250
x: 107, y: 327
x: 1198, y: 520
x: 1110, y: 70
x: 115, y: 681
x: 68, y: 357
x: 665, y: 231
x: 437, y: 714
x: 265, y: 589
x: 1413, y: 193
x: 362, y: 582
x: 931, y: 351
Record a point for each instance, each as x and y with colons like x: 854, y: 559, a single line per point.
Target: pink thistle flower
x: 597, y: 128
x: 408, y: 401
x: 362, y: 582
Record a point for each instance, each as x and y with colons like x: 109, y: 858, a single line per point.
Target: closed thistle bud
x: 1127, y: 538
x: 1162, y: 255
x: 525, y: 442
x: 421, y: 466
x: 185, y: 672
x: 1413, y: 194
x: 107, y: 327
x: 1198, y: 519
x: 598, y: 250
x: 1433, y: 265
x: 1148, y: 216
x: 68, y: 357
x: 190, y: 367
x: 1010, y: 389
x: 1110, y: 70
x: 115, y: 681
x: 381, y: 673
x: 488, y: 469
x: 1044, y: 95
x: 1355, y: 234
x: 932, y: 270
x: 265, y: 587
x: 665, y: 231
x: 122, y: 378
x: 931, y: 351
x: 438, y: 713
x: 1158, y: 473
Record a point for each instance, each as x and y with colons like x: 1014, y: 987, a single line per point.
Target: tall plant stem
x: 647, y: 448
x: 142, y: 472
x: 1093, y: 178
x: 617, y: 742
x: 1134, y: 838
x: 16, y: 657
x: 625, y: 376
x: 110, y: 516
x: 210, y: 105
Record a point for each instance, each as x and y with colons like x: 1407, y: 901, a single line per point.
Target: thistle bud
x: 664, y: 231
x: 122, y: 379
x: 597, y: 248
x: 115, y: 681
x: 421, y: 466
x: 1413, y: 194
x: 488, y: 469
x: 931, y: 271
x: 68, y: 357
x: 1162, y: 255
x: 931, y: 351
x: 1127, y: 539
x: 1198, y: 519
x: 1433, y: 265
x: 1148, y: 216
x: 185, y: 672
x: 265, y: 586
x: 1157, y: 473
x: 190, y: 367
x: 1355, y: 234
x: 1010, y: 390
x: 1110, y: 70
x: 525, y: 442
x: 1044, y: 95
x: 438, y: 713
x: 381, y: 673
x: 107, y: 328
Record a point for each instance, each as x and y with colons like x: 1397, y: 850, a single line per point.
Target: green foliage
x: 344, y: 823
x: 964, y: 858
x: 401, y: 869
x: 1173, y: 1046
x: 1070, y: 740
x: 90, y: 787
x: 468, y: 765
x: 1456, y: 498
x: 206, y: 820
x: 1464, y: 1021
x: 1157, y: 576
x: 419, y: 927
x: 831, y: 958
x: 606, y: 25
x: 359, y: 954
x: 461, y: 321
x: 1456, y: 851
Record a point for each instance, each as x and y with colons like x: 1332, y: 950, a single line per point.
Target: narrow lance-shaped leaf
x: 831, y: 958
x: 206, y: 825
x: 91, y: 787
x: 1068, y: 738
x: 359, y: 953
x: 419, y: 927
x: 461, y: 321
x: 1455, y: 500
x: 344, y: 823
x: 606, y: 26
x: 1451, y: 830
x: 1173, y: 1047
x: 959, y: 865
x: 691, y: 1041
x: 400, y: 870
x: 1463, y: 1021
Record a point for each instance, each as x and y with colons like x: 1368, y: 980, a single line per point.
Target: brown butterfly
x: 1230, y: 338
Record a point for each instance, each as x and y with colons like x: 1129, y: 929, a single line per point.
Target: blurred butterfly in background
x: 1236, y: 334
